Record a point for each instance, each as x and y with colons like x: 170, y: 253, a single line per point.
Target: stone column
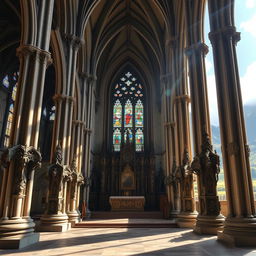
x: 65, y: 100
x: 188, y: 214
x: 22, y: 158
x: 165, y: 103
x: 240, y: 224
x: 88, y: 131
x: 62, y: 133
x: 206, y: 224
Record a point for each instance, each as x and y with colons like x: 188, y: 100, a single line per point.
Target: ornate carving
x: 24, y: 161
x: 56, y: 176
x: 37, y: 54
x: 228, y: 32
x: 58, y: 155
x: 248, y: 150
x: 206, y: 166
x: 198, y: 48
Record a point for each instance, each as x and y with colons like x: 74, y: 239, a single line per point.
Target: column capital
x: 228, y: 32
x: 184, y: 98
x: 79, y: 122
x: 172, y: 42
x: 92, y: 78
x: 38, y: 54
x: 60, y: 97
x: 74, y: 41
x: 169, y: 124
x: 200, y: 47
x: 87, y: 130
x: 165, y: 78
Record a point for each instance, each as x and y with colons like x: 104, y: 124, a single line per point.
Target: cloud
x: 250, y: 3
x: 208, y: 65
x: 249, y: 25
x: 248, y: 84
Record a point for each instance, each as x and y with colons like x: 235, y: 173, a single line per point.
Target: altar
x: 127, y: 203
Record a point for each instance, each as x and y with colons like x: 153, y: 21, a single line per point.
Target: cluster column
x: 58, y: 220
x: 19, y: 162
x: 240, y: 224
x: 91, y: 80
x: 209, y: 220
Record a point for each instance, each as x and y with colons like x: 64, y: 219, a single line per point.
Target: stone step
x: 127, y: 223
x: 130, y: 215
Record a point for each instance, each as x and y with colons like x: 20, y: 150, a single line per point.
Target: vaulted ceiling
x: 119, y: 31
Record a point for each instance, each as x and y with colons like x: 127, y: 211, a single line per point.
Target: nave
x: 124, y: 242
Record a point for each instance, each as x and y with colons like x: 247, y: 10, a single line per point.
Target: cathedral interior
x: 104, y: 109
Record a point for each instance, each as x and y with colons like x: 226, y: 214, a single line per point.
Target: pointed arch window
x: 9, y: 82
x: 128, y: 112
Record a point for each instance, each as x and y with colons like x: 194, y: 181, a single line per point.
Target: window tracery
x: 128, y: 112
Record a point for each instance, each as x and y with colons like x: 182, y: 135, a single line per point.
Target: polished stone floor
x: 123, y: 241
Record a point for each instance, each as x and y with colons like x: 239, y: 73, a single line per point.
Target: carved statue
x: 207, y: 166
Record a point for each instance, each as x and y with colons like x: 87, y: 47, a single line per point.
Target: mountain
x: 250, y: 121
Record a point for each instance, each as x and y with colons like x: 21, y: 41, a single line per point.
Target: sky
x: 245, y: 21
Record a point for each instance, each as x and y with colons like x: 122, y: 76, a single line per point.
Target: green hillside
x: 250, y: 120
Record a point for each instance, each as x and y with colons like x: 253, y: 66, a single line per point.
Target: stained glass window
x: 128, y: 112
x: 117, y: 118
x: 117, y: 139
x: 10, y: 82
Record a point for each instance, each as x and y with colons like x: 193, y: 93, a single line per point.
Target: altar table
x: 127, y: 203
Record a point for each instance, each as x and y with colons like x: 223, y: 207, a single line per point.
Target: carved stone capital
x: 37, y: 54
x: 62, y: 97
x: 91, y: 79
x: 229, y: 33
x: 73, y: 41
x: 170, y: 124
x: 165, y: 79
x: 182, y: 98
x: 24, y: 161
x: 172, y: 42
x: 79, y: 123
x: 198, y: 48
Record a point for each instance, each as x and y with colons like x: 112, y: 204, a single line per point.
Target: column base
x: 19, y: 242
x: 209, y: 224
x: 54, y: 223
x: 174, y: 214
x: 73, y: 217
x: 17, y: 233
x: 239, y: 232
x: 187, y: 219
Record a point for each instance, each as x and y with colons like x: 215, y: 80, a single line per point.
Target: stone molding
x: 44, y: 57
x: 182, y: 98
x: 197, y: 48
x: 74, y: 41
x: 61, y: 97
x: 25, y: 160
x: 228, y: 32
